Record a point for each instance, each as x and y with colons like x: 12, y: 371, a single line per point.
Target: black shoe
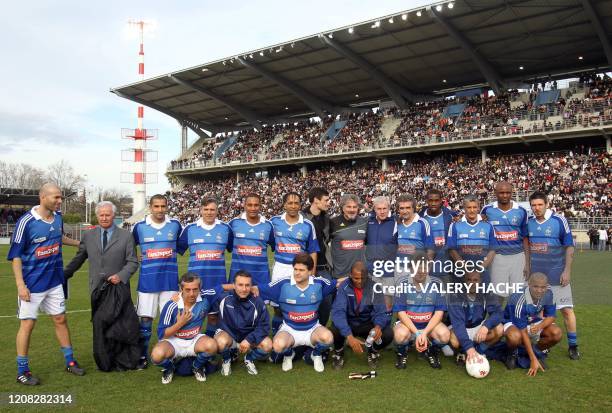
x: 27, y: 379
x: 74, y: 368
x: 460, y: 360
x: 511, y: 361
x: 431, y: 354
x: 143, y: 363
x: 373, y: 357
x: 573, y: 353
x: 401, y: 361
x: 337, y: 360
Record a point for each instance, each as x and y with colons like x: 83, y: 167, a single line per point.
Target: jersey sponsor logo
x: 39, y: 240
x: 494, y: 222
x: 472, y: 249
x: 538, y: 247
x: 148, y: 239
x: 288, y: 248
x: 198, y: 240
x: 417, y: 317
x: 351, y: 244
x: 291, y: 301
x: 439, y: 241
x: 47, y: 251
x: 208, y: 255
x: 406, y: 249
x: 506, y: 235
x: 159, y: 253
x: 240, y: 235
x: 302, y: 317
x: 464, y: 235
x: 188, y: 332
x: 253, y: 251
x: 361, y: 231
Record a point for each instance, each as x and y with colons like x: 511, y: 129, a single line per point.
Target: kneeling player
x: 299, y: 298
x: 179, y: 329
x: 476, y: 320
x: 524, y: 324
x: 420, y: 307
x: 244, y: 325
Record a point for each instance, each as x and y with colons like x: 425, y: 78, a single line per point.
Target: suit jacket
x: 119, y: 257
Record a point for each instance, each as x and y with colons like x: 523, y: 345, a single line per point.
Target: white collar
x: 300, y: 218
x: 513, y: 204
x: 547, y: 215
x: 200, y: 223
x: 244, y: 217
x: 415, y: 218
x: 478, y: 219
x: 181, y: 303
x: 437, y: 216
x: 310, y: 280
x: 149, y: 221
x: 36, y: 215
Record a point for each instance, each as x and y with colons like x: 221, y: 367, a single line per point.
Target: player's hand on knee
x: 421, y: 343
x: 24, y: 293
x: 244, y: 346
x: 481, y: 335
x: 355, y: 343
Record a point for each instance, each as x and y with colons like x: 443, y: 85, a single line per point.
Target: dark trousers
x: 362, y: 331
x: 326, y: 304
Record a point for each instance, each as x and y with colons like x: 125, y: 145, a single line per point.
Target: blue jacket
x: 244, y: 318
x: 462, y: 318
x: 381, y: 241
x: 346, y: 314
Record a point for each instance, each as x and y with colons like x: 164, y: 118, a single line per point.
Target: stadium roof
x: 430, y: 50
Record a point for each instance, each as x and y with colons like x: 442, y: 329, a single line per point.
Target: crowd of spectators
x: 579, y: 182
x: 9, y: 215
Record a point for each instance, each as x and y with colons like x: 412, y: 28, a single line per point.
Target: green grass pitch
x: 566, y: 386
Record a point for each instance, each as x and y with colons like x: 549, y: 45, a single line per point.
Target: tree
x: 20, y: 176
x: 62, y: 174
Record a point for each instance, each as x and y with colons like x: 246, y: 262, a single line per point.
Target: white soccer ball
x: 479, y: 368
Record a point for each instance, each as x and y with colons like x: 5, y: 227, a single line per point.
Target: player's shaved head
x: 504, y: 185
x: 48, y: 189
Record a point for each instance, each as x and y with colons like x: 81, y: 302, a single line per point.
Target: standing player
x: 413, y: 233
x: 476, y: 320
x: 293, y: 235
x: 348, y: 232
x: 509, y: 221
x: 420, y: 307
x: 207, y: 240
x: 439, y: 218
x: 552, y: 253
x: 180, y: 326
x: 530, y: 316
x: 299, y: 298
x: 157, y: 236
x: 36, y: 255
x: 244, y: 324
x: 472, y: 241
x: 252, y: 235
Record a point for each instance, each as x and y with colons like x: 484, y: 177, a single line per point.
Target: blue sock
x: 210, y: 329
x: 288, y: 352
x: 226, y: 354
x: 402, y: 349
x: 572, y: 339
x: 438, y: 343
x: 276, y: 323
x: 145, y: 336
x: 68, y: 356
x: 538, y: 353
x: 320, y: 348
x: 166, y: 364
x: 482, y: 347
x: 23, y: 364
x: 201, y: 359
x: 257, y: 354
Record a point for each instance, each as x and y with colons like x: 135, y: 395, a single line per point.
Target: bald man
x: 509, y: 221
x: 36, y: 255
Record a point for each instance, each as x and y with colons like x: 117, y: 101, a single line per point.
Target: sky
x: 60, y: 58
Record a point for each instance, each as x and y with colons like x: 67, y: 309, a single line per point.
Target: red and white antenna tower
x: 139, y: 164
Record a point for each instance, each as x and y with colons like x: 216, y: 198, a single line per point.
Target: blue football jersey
x: 199, y: 311
x: 547, y: 243
x: 414, y: 237
x: 250, y: 248
x: 293, y: 239
x: 510, y: 227
x: 39, y: 246
x: 207, y: 245
x: 300, y: 308
x: 471, y: 241
x: 158, y: 246
x: 522, y: 311
x: 438, y: 234
x: 420, y: 306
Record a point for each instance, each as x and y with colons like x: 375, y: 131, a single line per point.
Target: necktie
x: 104, y: 240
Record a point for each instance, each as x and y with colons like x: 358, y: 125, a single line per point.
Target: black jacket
x: 115, y: 327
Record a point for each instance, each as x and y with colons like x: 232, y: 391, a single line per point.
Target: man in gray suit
x: 110, y: 250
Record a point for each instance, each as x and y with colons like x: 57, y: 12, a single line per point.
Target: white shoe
x: 318, y: 363
x: 250, y: 367
x: 226, y: 367
x: 167, y: 376
x: 287, y: 362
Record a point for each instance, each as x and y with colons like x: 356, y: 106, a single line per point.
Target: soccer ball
x: 478, y: 369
